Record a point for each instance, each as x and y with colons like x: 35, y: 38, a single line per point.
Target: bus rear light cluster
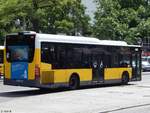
x: 37, y: 71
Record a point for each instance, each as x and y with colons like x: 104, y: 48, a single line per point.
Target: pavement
x: 132, y: 98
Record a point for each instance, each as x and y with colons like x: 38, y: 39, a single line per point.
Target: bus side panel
x: 45, y: 67
x: 116, y: 73
x: 46, y: 74
x: 64, y: 76
x: 31, y: 71
x: 60, y: 76
x: 7, y: 70
x: 7, y: 67
x: 2, y: 63
x: 37, y: 56
x: 31, y: 66
x: 1, y: 69
x: 47, y: 77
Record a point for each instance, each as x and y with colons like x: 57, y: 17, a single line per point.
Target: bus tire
x: 125, y: 78
x: 74, y: 82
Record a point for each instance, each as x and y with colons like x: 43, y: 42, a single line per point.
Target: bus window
x: 61, y: 56
x: 1, y: 56
x: 77, y: 56
x: 125, y: 60
x: 20, y: 49
x: 86, y: 57
x: 48, y: 53
x: 115, y: 60
x: 18, y: 53
x: 69, y: 56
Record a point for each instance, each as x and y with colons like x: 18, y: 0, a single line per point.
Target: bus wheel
x: 74, y: 82
x: 125, y: 78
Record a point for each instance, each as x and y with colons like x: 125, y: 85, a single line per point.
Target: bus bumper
x: 32, y: 83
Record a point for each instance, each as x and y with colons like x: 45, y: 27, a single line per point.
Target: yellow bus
x: 1, y: 61
x: 46, y: 61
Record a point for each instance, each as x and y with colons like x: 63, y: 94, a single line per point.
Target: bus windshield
x: 18, y: 53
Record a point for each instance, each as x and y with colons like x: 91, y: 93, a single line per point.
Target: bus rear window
x: 18, y: 53
x: 20, y: 48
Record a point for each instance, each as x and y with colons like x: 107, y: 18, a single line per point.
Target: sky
x: 91, y: 7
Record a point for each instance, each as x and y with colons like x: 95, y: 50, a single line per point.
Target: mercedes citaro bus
x: 45, y: 61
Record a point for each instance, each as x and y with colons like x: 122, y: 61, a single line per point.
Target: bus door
x: 98, y: 69
x: 136, y: 66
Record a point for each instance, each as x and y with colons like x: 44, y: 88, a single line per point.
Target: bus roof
x: 74, y: 39
x: 80, y: 40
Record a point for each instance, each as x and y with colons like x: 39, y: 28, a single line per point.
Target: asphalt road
x: 132, y: 98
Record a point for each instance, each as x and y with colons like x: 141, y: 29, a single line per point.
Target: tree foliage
x: 49, y: 16
x: 122, y: 20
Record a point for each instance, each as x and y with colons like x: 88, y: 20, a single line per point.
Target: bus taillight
x: 37, y: 71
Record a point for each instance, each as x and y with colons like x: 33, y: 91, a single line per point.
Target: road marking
x: 124, y: 108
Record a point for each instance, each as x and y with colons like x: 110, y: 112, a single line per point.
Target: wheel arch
x: 126, y: 73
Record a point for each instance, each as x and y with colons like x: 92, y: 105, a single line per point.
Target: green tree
x: 48, y: 16
x: 121, y: 20
x: 68, y: 16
